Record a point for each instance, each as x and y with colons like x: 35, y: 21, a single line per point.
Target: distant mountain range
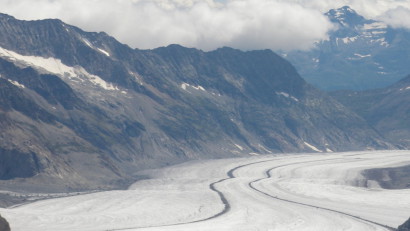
x: 80, y: 110
x: 360, y: 54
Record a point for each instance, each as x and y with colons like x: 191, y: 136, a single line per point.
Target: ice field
x: 276, y: 192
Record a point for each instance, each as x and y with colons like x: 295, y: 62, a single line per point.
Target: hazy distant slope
x: 360, y: 54
x: 386, y: 109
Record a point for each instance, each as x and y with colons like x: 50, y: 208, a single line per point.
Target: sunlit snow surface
x: 282, y: 192
x: 55, y: 66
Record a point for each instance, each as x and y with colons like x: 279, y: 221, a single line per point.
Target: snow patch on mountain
x: 137, y: 77
x: 55, y: 66
x: 312, y: 147
x: 98, y: 81
x: 239, y: 147
x: 264, y: 148
x: 382, y: 41
x: 375, y: 26
x: 185, y: 87
x: 15, y: 83
x: 362, y: 56
x: 104, y: 52
x: 378, y: 32
x: 89, y: 44
x: 50, y: 65
x: 348, y: 40
x: 287, y: 95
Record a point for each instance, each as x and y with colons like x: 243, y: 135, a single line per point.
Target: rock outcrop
x: 4, y: 225
x: 405, y: 226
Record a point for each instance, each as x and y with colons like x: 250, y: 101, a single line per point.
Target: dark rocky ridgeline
x: 110, y: 110
x: 4, y: 225
x: 405, y: 226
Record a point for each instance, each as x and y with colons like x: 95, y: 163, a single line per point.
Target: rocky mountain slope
x: 405, y: 226
x: 80, y: 111
x: 4, y: 225
x: 360, y: 54
x: 386, y: 109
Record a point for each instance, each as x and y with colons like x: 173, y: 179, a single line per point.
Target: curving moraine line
x: 227, y: 206
x: 269, y: 175
x: 222, y: 197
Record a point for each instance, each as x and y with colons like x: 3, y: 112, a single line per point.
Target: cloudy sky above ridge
x: 208, y: 24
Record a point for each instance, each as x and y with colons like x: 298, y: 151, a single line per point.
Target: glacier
x: 265, y: 192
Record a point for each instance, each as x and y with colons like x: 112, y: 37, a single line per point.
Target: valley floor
x: 281, y: 192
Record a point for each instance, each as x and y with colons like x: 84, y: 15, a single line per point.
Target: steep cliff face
x: 80, y: 110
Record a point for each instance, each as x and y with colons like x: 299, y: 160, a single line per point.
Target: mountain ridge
x: 360, y: 54
x: 386, y: 109
x: 85, y: 112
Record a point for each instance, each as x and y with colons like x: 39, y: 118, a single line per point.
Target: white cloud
x: 398, y: 17
x: 393, y: 12
x: 204, y: 24
x: 368, y: 8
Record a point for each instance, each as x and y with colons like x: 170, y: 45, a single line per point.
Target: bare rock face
x: 17, y: 164
x: 4, y: 225
x: 405, y: 226
x: 390, y: 178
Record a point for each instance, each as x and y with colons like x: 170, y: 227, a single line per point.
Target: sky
x: 208, y: 24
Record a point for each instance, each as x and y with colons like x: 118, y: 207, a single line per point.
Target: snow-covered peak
x: 346, y: 16
x: 354, y: 28
x: 343, y: 11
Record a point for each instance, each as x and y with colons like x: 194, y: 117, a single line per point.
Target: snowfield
x: 276, y: 192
